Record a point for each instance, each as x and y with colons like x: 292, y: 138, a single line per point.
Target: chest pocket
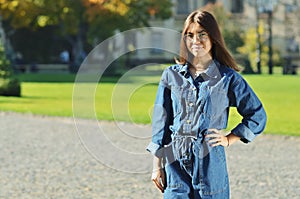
x: 217, y: 103
x: 176, y: 95
x: 181, y: 95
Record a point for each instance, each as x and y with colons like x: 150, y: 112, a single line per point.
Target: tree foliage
x: 249, y: 48
x: 83, y: 20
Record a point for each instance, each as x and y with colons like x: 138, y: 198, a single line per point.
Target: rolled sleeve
x: 155, y: 149
x: 244, y: 133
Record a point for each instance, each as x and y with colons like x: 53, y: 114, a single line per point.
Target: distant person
x: 191, y: 110
x: 65, y: 57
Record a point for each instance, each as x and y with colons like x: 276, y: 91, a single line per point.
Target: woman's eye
x: 202, y: 35
x: 190, y: 36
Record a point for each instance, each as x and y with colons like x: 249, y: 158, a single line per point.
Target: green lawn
x: 281, y: 98
x: 133, y: 101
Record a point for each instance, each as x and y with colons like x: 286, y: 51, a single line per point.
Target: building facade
x: 285, y: 25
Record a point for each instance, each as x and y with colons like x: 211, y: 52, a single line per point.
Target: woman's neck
x: 201, y: 64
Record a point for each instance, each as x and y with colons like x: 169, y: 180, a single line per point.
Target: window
x: 182, y: 7
x: 208, y: 1
x: 237, y: 6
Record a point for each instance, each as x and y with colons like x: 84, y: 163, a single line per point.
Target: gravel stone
x: 54, y: 157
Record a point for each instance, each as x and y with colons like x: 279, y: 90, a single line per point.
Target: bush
x: 10, y: 87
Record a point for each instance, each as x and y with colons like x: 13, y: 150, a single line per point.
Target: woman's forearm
x: 156, y: 163
x: 232, y: 138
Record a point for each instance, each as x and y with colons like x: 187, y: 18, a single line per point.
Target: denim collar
x: 211, y: 72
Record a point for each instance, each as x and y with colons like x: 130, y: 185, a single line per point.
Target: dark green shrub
x: 9, y: 85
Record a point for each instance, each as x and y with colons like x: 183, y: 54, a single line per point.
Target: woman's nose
x: 196, y: 39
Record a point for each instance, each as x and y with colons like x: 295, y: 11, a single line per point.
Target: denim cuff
x: 244, y: 133
x: 155, y: 149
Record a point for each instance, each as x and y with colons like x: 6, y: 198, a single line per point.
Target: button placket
x: 203, y: 92
x: 191, y: 99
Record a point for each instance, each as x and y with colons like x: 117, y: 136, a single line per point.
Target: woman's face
x: 198, y: 41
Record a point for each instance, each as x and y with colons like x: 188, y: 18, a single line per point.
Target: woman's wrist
x: 232, y: 138
x: 157, y: 163
x: 227, y: 141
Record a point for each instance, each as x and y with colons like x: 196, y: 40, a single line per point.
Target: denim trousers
x: 202, y: 175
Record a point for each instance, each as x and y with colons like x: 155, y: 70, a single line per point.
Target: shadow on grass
x: 131, y: 75
x: 59, y: 78
x: 23, y: 99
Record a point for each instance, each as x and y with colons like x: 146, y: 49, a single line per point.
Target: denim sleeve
x: 162, y: 118
x: 250, y: 108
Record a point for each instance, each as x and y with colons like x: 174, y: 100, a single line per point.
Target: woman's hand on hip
x: 216, y: 138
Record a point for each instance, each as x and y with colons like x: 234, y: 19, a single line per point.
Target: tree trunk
x: 78, y: 48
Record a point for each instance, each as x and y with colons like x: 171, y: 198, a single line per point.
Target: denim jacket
x: 184, y: 110
x: 189, y: 107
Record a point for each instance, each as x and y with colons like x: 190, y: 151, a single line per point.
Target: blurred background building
x: 285, y: 23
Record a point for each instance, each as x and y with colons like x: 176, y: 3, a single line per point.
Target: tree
x: 83, y: 20
x: 249, y: 48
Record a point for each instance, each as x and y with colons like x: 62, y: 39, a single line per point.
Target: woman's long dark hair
x: 219, y: 49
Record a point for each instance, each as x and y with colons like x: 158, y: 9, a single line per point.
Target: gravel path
x: 50, y: 157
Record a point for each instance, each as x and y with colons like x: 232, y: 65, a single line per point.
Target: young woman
x: 191, y: 109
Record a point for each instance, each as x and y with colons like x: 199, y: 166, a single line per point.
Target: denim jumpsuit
x: 184, y: 110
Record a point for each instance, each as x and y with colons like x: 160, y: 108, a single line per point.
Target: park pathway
x: 46, y: 157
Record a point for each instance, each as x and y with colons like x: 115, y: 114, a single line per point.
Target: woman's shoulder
x: 172, y: 73
x: 226, y: 70
x: 176, y: 67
